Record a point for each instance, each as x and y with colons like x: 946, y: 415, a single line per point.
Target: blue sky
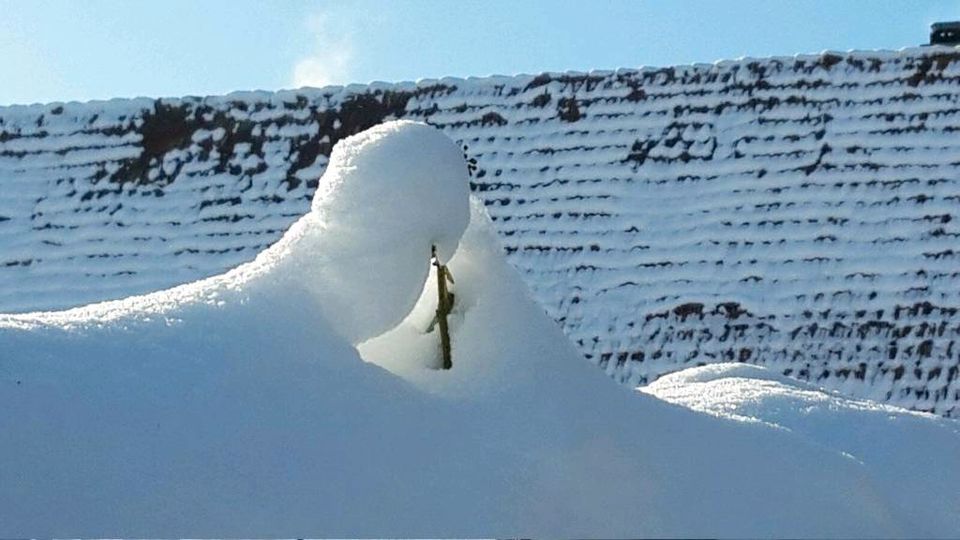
x: 95, y: 49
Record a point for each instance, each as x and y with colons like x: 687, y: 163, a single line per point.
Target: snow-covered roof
x: 797, y: 212
x: 301, y: 391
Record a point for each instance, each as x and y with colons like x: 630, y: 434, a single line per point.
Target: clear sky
x: 95, y: 49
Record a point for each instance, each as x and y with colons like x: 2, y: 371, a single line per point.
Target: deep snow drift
x: 241, y: 405
x: 906, y: 453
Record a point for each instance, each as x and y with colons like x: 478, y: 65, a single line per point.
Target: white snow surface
x: 240, y: 405
x: 389, y: 194
x: 906, y: 452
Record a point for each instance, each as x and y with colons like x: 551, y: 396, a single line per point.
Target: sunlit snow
x: 241, y: 404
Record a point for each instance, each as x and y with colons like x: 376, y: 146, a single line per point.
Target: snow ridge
x: 794, y: 212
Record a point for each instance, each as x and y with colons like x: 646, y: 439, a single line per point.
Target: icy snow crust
x: 795, y: 212
x: 239, y: 405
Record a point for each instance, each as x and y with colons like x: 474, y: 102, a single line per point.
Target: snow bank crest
x: 400, y: 181
x: 388, y: 196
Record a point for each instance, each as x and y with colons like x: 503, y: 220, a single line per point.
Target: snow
x: 241, y: 405
x: 363, y: 252
x: 389, y: 195
x: 905, y: 452
x: 818, y: 193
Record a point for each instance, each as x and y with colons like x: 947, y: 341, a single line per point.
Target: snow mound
x: 240, y: 404
x: 389, y: 195
x: 906, y: 452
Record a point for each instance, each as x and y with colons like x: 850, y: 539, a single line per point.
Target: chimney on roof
x: 945, y: 33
